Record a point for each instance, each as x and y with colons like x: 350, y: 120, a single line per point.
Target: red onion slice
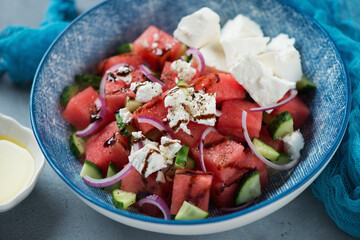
x: 293, y: 93
x: 105, y: 76
x: 104, y: 182
x: 100, y: 104
x: 137, y: 146
x: 197, y: 54
x: 235, y: 209
x: 287, y: 166
x: 156, y: 123
x: 201, y: 146
x: 158, y: 202
x: 149, y: 74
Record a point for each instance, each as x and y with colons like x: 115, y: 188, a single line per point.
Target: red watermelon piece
x: 193, y: 139
x: 209, y: 70
x: 229, y: 123
x: 222, y: 195
x: 156, y: 47
x: 154, y: 108
x: 107, y: 146
x: 131, y: 58
x: 224, y: 85
x: 297, y: 109
x: 224, y: 160
x: 117, y: 91
x: 79, y: 109
x: 136, y: 183
x: 191, y: 186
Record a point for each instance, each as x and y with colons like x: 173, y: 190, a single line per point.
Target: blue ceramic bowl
x: 95, y: 35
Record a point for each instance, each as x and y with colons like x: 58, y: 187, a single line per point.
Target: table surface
x: 52, y: 211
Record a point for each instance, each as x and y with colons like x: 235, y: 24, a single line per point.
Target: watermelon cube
x: 223, y: 84
x: 297, y: 109
x: 107, y: 146
x: 156, y: 47
x: 131, y: 58
x: 229, y: 123
x: 191, y: 186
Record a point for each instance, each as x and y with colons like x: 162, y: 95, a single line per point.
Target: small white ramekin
x: 12, y: 129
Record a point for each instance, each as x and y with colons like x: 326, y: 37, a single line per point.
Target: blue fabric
x: 21, y: 48
x: 339, y: 185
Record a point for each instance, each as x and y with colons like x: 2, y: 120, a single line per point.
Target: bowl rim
x: 39, y: 163
x: 231, y: 216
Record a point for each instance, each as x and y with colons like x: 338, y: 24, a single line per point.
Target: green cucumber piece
x: 125, y: 48
x: 182, y: 84
x: 122, y: 126
x: 282, y: 160
x: 112, y: 170
x: 304, y: 85
x: 190, y: 164
x: 266, y: 150
x: 91, y: 169
x: 123, y: 199
x: 181, y: 156
x: 77, y: 146
x: 68, y: 93
x: 248, y: 189
x: 132, y: 104
x: 88, y: 80
x: 188, y: 211
x: 281, y: 125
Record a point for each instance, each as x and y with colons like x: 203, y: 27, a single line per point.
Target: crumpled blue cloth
x: 339, y: 185
x: 21, y: 48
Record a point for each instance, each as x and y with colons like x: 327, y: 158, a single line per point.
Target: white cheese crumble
x: 126, y: 115
x: 241, y: 27
x: 235, y: 48
x: 198, y: 29
x: 160, y: 177
x: 293, y: 143
x: 154, y: 45
x: 189, y: 105
x: 265, y: 89
x: 184, y: 70
x: 144, y: 43
x: 155, y: 37
x: 147, y: 160
x: 122, y: 73
x: 153, y: 157
x: 145, y: 91
x: 283, y: 58
x: 169, y: 147
x: 214, y: 55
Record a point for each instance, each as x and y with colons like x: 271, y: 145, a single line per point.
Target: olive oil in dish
x: 16, y: 168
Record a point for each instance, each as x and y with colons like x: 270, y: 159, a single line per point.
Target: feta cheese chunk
x: 203, y: 108
x: 283, y: 58
x: 145, y: 91
x: 147, y: 160
x: 189, y: 105
x: 214, y: 56
x: 241, y: 27
x: 235, y: 48
x: 265, y: 89
x: 184, y: 70
x: 126, y: 115
x: 293, y: 143
x: 160, y: 177
x: 198, y: 29
x: 280, y: 42
x: 169, y: 148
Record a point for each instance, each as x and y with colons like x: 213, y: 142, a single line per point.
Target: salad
x: 178, y: 122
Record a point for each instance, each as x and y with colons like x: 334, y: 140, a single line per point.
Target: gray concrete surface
x: 52, y: 211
